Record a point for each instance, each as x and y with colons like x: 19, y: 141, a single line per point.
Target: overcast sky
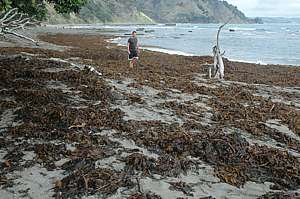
x: 272, y: 8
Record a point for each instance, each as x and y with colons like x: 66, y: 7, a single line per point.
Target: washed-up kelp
x: 184, y: 110
x: 47, y: 154
x: 234, y: 159
x: 183, y: 187
x: 51, y: 114
x: 11, y: 161
x: 238, y: 162
x: 166, y: 165
x: 209, y: 197
x: 62, y: 112
x: 32, y: 75
x: 281, y: 195
x: 91, y: 181
x: 148, y: 195
x: 43, y: 107
x: 243, y: 110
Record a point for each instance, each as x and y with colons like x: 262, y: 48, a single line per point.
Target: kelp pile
x: 60, y: 113
x: 234, y: 159
x: 92, y: 181
x: 280, y: 195
x: 241, y: 109
x: 56, y: 109
x: 166, y: 165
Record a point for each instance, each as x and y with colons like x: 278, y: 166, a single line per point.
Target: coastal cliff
x: 153, y: 11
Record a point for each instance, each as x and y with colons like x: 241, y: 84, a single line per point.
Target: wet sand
x: 76, y: 122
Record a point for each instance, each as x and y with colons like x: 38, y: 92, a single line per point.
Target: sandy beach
x: 77, y: 122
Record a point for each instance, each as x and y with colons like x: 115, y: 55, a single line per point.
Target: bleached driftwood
x: 208, y: 67
x: 12, y: 21
x: 218, y: 56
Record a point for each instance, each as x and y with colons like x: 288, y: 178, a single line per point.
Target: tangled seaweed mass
x: 124, y: 131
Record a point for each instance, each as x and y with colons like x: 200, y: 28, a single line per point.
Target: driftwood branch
x: 7, y: 15
x: 219, y: 31
x: 13, y: 20
x: 22, y: 36
x: 218, y: 56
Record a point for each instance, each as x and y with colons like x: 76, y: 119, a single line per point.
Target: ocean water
x: 257, y: 43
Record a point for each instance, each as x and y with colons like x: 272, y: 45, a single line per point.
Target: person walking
x: 133, y: 49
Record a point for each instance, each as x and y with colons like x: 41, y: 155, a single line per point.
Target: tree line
x: 37, y: 8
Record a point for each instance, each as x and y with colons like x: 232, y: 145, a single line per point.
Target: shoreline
x: 176, y: 52
x: 161, y: 49
x: 271, y: 61
x: 113, y: 34
x: 79, y: 120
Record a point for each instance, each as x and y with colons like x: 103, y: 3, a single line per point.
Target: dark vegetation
x: 37, y: 7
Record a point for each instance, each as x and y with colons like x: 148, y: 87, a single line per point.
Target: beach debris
x: 234, y: 159
x: 91, y: 181
x: 12, y: 20
x: 140, y: 162
x: 63, y: 119
x: 93, y: 70
x: 296, y: 124
x: 218, y: 60
x: 183, y: 187
x: 50, y: 114
x: 209, y: 68
x: 166, y: 165
x: 230, y: 109
x: 148, y: 195
x: 281, y: 195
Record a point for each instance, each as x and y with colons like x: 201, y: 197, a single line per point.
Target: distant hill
x: 154, y: 11
x: 280, y: 20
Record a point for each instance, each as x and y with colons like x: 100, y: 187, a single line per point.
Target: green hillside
x: 153, y: 11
